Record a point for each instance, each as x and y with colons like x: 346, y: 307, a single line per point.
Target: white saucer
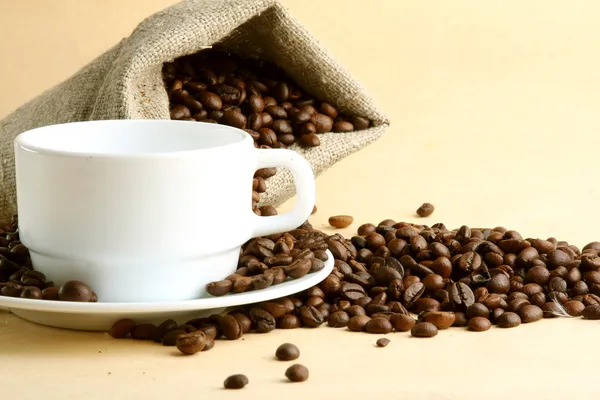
x: 101, y: 316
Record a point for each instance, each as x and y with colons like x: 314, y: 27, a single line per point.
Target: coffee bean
x: 382, y: 342
x: 237, y: 381
x: 378, y: 325
x: 180, y: 112
x: 539, y: 275
x: 477, y: 310
x: 425, y: 210
x: 231, y: 328
x: 323, y: 123
x: 424, y: 330
x: 508, y: 320
x: 219, y: 288
x: 262, y: 320
x: 288, y: 321
x: 338, y: 319
x: 460, y: 319
x: 50, y: 293
x: 574, y: 308
x: 359, y: 123
x: 530, y: 313
x: 170, y: 338
x: 343, y: 126
x: 310, y: 140
x: 479, y: 324
x: 75, y: 291
x: 122, y: 328
x: 297, y: 373
x: 144, y: 332
x: 298, y: 268
x: 461, y: 295
x: 287, y: 352
x: 412, y: 293
x: 191, y: 343
x: 242, y: 284
x: 31, y: 292
x: 591, y: 312
x: 164, y: 328
x: 341, y: 221
x: 441, y: 319
x: 499, y: 283
x: 310, y: 316
x: 358, y: 323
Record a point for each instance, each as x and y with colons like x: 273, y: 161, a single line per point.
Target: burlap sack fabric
x: 126, y: 82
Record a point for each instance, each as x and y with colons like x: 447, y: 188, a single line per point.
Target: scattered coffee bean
x: 382, y: 342
x: 341, y: 221
x: 144, y: 332
x: 591, y: 312
x: 425, y: 210
x: 297, y: 373
x: 237, y: 381
x: 122, y: 328
x: 287, y: 352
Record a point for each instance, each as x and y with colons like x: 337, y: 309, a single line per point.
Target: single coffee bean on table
x: 237, y: 381
x: 425, y: 210
x: 479, y: 324
x: 122, y: 328
x: 382, y: 342
x: 287, y: 352
x: 297, y: 373
x: 341, y: 221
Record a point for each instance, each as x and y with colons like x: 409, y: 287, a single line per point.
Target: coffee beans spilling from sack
x: 257, y: 96
x: 19, y: 279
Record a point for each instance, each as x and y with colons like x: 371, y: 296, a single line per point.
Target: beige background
x: 495, y: 119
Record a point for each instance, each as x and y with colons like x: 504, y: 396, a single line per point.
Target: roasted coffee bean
x: 378, y: 325
x: 412, y: 294
x: 591, y: 312
x: 539, y: 275
x: 338, y: 319
x: 242, y: 284
x: 164, y: 328
x: 461, y: 295
x: 358, y: 323
x: 477, y: 310
x: 382, y: 342
x: 310, y: 316
x: 287, y: 352
x: 289, y: 321
x: 441, y: 319
x: 479, y: 324
x: 219, y: 288
x: 75, y: 291
x: 574, y: 308
x: 237, y: 381
x: 530, y: 313
x: 191, y: 343
x: 122, y: 328
x: 31, y: 292
x: 262, y: 321
x: 231, y: 328
x: 402, y: 322
x: 425, y: 210
x: 144, y: 332
x: 499, y: 283
x: 424, y: 330
x: 297, y: 373
x: 341, y: 221
x: 460, y: 319
x: 50, y: 293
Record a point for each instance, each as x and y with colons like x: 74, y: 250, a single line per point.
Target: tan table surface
x: 495, y: 120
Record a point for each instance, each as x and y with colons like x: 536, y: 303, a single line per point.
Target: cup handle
x: 304, y: 179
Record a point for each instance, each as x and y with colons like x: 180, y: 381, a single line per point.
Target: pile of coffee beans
x: 19, y: 279
x: 257, y: 96
x: 271, y: 260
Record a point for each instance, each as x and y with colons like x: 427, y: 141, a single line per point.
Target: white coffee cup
x: 145, y: 210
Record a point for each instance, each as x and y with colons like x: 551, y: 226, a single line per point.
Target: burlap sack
x: 126, y: 82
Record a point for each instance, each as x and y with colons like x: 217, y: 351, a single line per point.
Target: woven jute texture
x: 126, y: 81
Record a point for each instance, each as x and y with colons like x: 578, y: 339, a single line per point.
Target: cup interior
x: 129, y: 137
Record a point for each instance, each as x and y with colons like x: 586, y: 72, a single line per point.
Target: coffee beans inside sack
x: 246, y: 63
